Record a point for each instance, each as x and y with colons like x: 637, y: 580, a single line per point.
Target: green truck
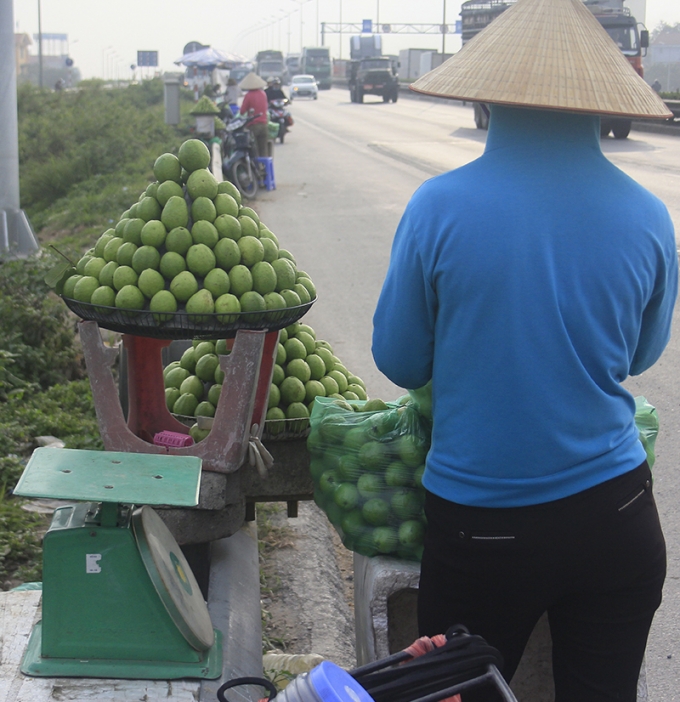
x: 316, y: 61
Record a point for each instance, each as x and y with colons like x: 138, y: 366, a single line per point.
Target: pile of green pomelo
x: 305, y: 369
x: 367, y: 464
x: 189, y: 246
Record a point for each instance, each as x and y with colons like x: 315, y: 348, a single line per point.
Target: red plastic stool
x: 268, y: 162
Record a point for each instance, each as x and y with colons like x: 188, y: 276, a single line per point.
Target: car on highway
x: 303, y: 86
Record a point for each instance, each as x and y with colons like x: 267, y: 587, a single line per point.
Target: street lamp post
x: 40, y: 48
x: 444, y: 29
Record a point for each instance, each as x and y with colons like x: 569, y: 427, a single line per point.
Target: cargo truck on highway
x: 316, y: 61
x: 270, y: 64
x: 616, y: 19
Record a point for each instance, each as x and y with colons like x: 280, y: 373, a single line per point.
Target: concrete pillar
x: 171, y: 98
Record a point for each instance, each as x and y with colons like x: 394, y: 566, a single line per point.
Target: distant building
x: 55, y: 60
x: 666, y: 47
x: 21, y: 54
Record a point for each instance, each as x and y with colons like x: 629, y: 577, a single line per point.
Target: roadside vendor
x: 527, y: 286
x: 256, y: 100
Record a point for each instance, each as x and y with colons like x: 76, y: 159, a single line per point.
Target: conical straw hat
x: 252, y: 82
x: 550, y: 54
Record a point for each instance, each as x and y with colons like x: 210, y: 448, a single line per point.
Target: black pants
x: 595, y: 562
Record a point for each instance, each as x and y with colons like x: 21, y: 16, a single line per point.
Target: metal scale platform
x: 119, y: 599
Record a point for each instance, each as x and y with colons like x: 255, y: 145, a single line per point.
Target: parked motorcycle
x: 279, y: 114
x: 239, y: 164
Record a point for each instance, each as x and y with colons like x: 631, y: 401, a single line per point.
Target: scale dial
x: 172, y: 577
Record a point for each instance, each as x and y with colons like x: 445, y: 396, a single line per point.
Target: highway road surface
x: 343, y: 179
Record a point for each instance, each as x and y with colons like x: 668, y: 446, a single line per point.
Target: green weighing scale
x: 119, y: 598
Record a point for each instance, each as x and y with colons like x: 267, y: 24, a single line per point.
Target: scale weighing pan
x: 119, y: 598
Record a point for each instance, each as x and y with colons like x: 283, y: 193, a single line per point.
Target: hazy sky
x: 104, y: 36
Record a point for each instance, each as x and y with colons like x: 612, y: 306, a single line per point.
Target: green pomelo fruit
x: 411, y: 533
x: 252, y: 251
x: 291, y: 297
x: 175, y: 377
x: 217, y: 282
x: 307, y: 329
x: 166, y: 190
x: 132, y: 212
x: 353, y: 523
x: 228, y: 187
x: 278, y: 374
x: 167, y: 167
x: 294, y: 349
x: 183, y: 286
x: 264, y: 276
x: 227, y: 254
x: 418, y: 476
x: 153, y: 233
x: 188, y: 359
x: 250, y: 212
x: 285, y: 274
x: 106, y: 274
x: 307, y: 340
x: 357, y: 390
x: 330, y: 385
x: 411, y: 450
x: 385, y: 539
x: 266, y: 233
x: 340, y: 379
x: 226, y: 205
x: 124, y: 275
x: 146, y: 257
x: 221, y: 347
x: 70, y: 285
x: 346, y: 496
x: 214, y: 393
x: 193, y: 154
x: 275, y: 419
x: 184, y: 175
x: 248, y: 226
x: 120, y: 227
x: 405, y: 503
x: 200, y: 304
x: 203, y: 232
x: 201, y: 183
x: 376, y: 511
x: 82, y: 262
x: 298, y: 368
x: 283, y: 336
x: 206, y: 366
x: 186, y: 405
x: 293, y: 329
x: 302, y: 292
x: 284, y: 253
x: 326, y: 356
x: 125, y: 253
x: 111, y: 249
x: 374, y: 455
x: 271, y: 250
x: 94, y: 267
x: 104, y: 296
x: 252, y: 301
x: 148, y: 209
x: 175, y: 213
x: 355, y: 438
x: 203, y: 209
x: 241, y: 280
x: 297, y: 411
x: 102, y: 242
x: 130, y: 297
x: 316, y: 366
x: 228, y: 227
x: 200, y: 260
x: 280, y: 354
x: 219, y: 376
x: 84, y: 288
x: 152, y: 189
x: 179, y: 240
x: 349, y: 468
x: 324, y: 344
x: 203, y: 348
x: 349, y: 395
x: 307, y: 283
x: 150, y: 282
x: 133, y: 231
x: 205, y: 409
x: 171, y: 264
x: 356, y: 380
x: 198, y: 434
x: 292, y: 390
x: 314, y: 389
x: 274, y: 301
x: 274, y: 398
x: 171, y: 396
x: 194, y: 385
x: 370, y: 485
x: 228, y: 308
x: 398, y: 474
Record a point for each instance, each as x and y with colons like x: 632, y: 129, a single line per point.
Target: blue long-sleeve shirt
x: 528, y: 285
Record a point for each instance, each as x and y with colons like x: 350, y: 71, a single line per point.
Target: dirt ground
x: 306, y: 585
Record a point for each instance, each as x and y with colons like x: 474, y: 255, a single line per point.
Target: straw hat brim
x: 546, y: 54
x: 252, y: 82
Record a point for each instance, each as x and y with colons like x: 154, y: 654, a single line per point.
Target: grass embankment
x: 85, y: 156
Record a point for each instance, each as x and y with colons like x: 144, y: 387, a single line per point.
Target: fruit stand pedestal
x: 243, y: 403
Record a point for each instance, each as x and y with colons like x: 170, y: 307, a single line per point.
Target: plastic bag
x: 367, y: 468
x: 422, y: 400
x: 647, y: 422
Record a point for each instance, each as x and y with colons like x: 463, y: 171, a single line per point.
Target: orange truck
x: 616, y: 19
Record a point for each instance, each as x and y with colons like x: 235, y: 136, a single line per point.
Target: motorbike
x: 239, y: 163
x: 279, y: 114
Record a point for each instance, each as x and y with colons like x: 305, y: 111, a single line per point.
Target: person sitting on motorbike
x: 274, y: 90
x: 256, y: 100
